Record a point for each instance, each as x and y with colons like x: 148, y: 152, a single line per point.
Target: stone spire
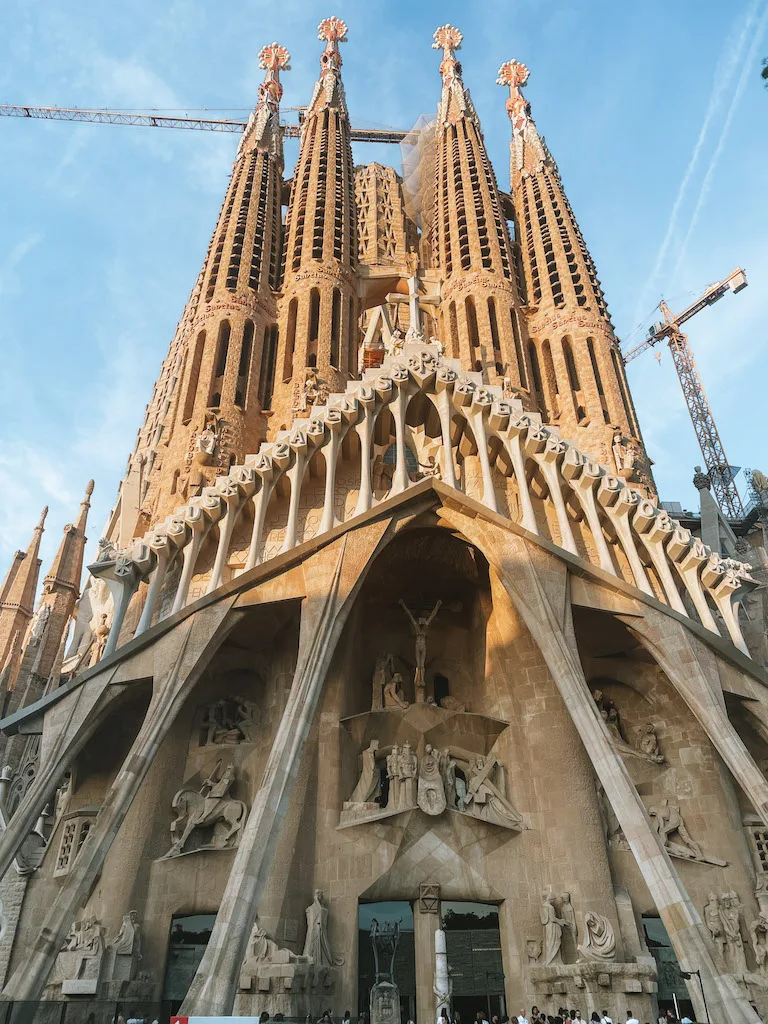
x: 482, y: 322
x: 61, y: 590
x: 318, y: 306
x: 17, y: 601
x: 578, y: 379
x: 207, y: 406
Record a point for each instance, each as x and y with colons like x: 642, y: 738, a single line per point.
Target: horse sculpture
x: 210, y: 806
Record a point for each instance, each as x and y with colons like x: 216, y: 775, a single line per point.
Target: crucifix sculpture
x: 420, y: 626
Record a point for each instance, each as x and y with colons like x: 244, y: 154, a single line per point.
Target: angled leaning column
x: 333, y: 577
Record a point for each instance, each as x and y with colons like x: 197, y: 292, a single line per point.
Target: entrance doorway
x: 404, y: 973
x: 473, y: 944
x: 186, y: 945
x: 673, y: 992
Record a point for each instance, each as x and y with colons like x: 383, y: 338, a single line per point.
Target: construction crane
x: 719, y: 469
x: 205, y: 124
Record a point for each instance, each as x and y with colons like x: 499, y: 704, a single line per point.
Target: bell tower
x: 318, y: 305
x: 577, y: 375
x: 482, y: 322
x: 207, y: 409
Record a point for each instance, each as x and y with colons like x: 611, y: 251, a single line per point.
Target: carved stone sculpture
x: 393, y: 693
x: 368, y: 783
x: 610, y: 715
x: 420, y: 624
x: 669, y: 825
x: 648, y: 743
x: 730, y: 906
x: 317, y: 944
x: 409, y: 766
x: 384, y: 670
x: 78, y: 967
x: 568, y: 915
x: 260, y: 946
x: 206, y: 441
x: 484, y: 798
x: 758, y: 932
x: 229, y: 721
x: 714, y: 923
x: 128, y: 939
x: 721, y: 916
x: 553, y: 930
x: 210, y: 809
x: 38, y: 623
x: 431, y: 792
x: 123, y: 953
x: 100, y: 637
x: 395, y: 778
x: 599, y: 939
x: 533, y: 950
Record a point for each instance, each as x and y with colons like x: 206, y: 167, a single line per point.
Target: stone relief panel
x: 228, y: 722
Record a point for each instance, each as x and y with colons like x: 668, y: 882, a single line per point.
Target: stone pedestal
x: 385, y: 1003
x: 587, y: 985
x: 287, y: 984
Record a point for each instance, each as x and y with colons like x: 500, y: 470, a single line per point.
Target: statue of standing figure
x: 420, y: 626
x: 317, y: 945
x: 553, y: 930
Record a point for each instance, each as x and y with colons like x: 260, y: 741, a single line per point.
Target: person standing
x: 631, y: 1019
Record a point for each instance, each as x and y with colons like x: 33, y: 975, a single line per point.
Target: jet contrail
x: 726, y: 68
x: 748, y: 67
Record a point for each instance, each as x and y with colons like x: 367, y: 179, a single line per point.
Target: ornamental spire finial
x: 448, y: 38
x: 333, y: 31
x: 274, y: 59
x: 43, y: 514
x: 515, y: 75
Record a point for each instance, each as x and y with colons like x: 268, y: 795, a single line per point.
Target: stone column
x: 332, y: 578
x: 190, y: 650
x: 537, y: 582
x: 424, y: 926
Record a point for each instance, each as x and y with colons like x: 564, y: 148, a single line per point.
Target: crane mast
x: 719, y: 469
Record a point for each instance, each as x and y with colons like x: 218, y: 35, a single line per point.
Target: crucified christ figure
x: 420, y: 626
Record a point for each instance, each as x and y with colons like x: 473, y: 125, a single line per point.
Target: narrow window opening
x: 335, y: 327
x: 495, y: 334
x: 290, y: 340
x: 194, y: 378
x: 313, y: 326
x: 268, y: 364
x: 244, y: 367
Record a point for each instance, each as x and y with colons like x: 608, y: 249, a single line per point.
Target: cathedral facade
x: 393, y: 687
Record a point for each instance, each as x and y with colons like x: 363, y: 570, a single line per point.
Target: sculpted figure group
x: 646, y: 745
x: 558, y: 916
x: 394, y: 779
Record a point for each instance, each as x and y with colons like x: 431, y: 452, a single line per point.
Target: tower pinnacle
x: 448, y: 38
x: 263, y: 129
x: 329, y: 91
x: 515, y: 75
x: 481, y: 309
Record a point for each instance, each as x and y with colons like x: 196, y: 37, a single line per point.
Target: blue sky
x: 654, y: 112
